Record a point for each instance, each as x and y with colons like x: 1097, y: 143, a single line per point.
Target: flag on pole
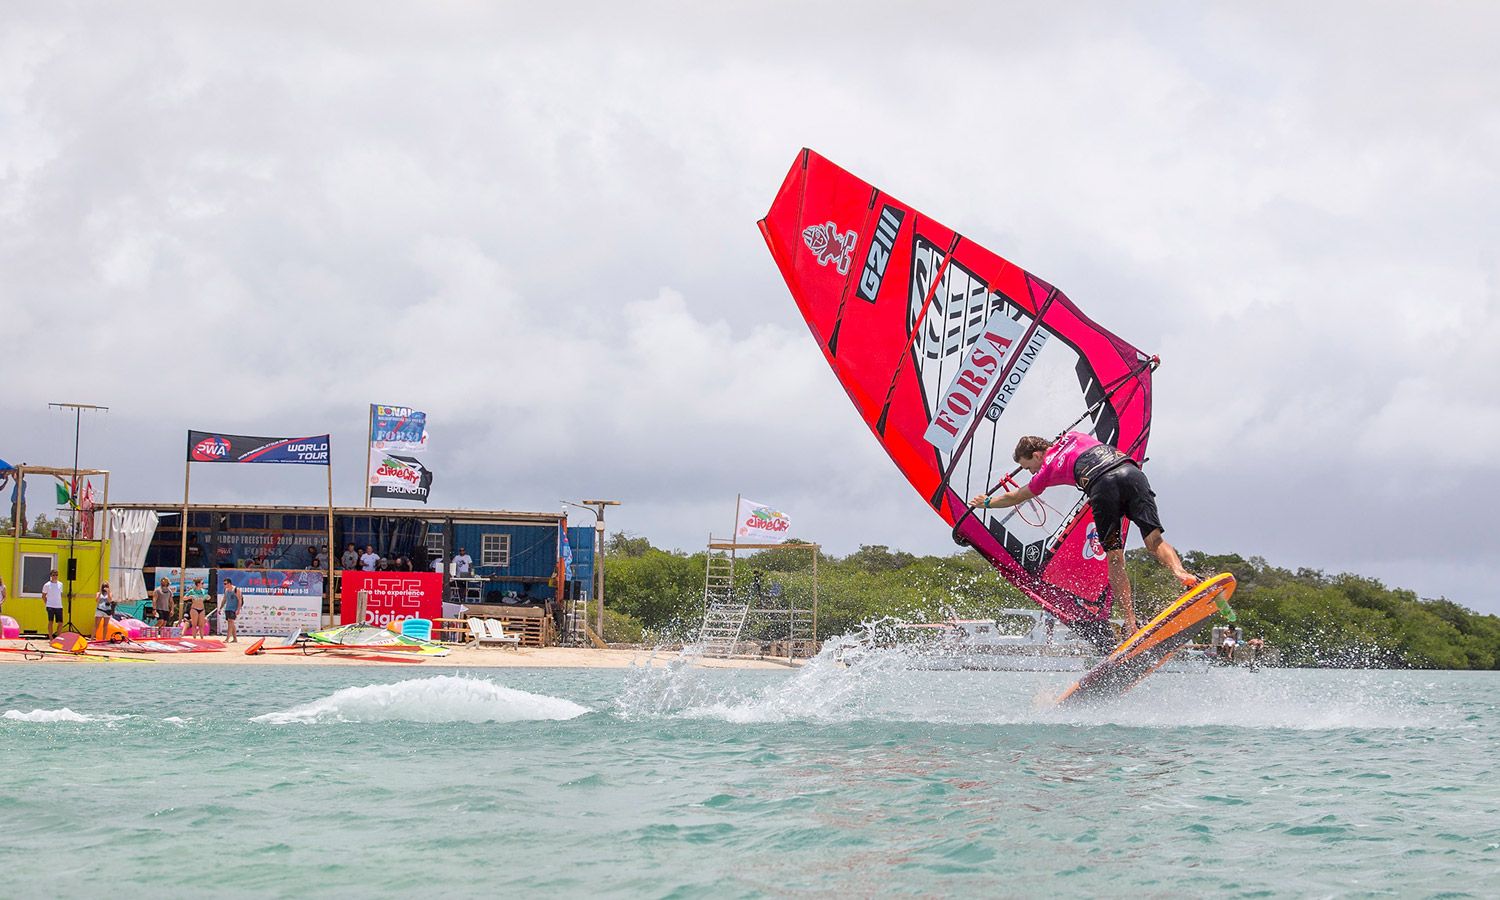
x: 756, y: 522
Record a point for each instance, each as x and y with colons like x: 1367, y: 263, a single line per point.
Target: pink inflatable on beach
x: 10, y: 629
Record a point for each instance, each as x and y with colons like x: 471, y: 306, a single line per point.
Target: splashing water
x: 52, y: 715
x: 442, y: 698
x: 857, y: 678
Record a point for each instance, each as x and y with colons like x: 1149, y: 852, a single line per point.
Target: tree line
x: 1314, y: 619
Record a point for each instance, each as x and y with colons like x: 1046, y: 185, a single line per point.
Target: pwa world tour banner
x: 393, y: 596
x: 276, y: 601
x: 398, y: 477
x: 205, y: 446
x: 758, y: 523
x: 398, y: 429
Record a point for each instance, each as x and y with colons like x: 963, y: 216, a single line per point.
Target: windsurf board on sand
x: 1153, y: 645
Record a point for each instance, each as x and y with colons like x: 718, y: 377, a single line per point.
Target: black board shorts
x: 231, y: 614
x: 54, y: 614
x: 1123, y: 492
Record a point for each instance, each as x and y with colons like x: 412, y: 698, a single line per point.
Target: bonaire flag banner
x: 759, y: 523
x: 398, y: 429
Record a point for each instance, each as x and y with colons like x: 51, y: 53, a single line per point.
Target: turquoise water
x: 184, y: 781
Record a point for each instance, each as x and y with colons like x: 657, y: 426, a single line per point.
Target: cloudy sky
x: 536, y: 222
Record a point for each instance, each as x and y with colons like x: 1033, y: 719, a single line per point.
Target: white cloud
x: 538, y: 224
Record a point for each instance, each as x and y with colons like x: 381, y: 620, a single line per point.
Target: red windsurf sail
x: 951, y: 354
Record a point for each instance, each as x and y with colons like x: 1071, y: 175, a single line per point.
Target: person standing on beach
x: 350, y: 559
x: 103, y: 610
x: 53, y: 591
x: 370, y: 559
x: 197, y: 600
x: 161, y: 602
x: 463, y: 564
x: 232, y: 599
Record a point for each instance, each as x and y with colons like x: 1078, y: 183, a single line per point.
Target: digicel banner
x: 393, y: 596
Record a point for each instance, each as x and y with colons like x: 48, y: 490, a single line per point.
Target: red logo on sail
x: 829, y: 246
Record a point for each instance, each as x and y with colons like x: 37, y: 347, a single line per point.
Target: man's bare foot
x: 1187, y: 578
x: 1130, y: 627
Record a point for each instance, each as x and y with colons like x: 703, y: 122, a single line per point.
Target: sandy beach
x: 469, y: 657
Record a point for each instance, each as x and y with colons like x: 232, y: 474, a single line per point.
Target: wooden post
x: 364, y: 464
x: 815, y: 595
x: 329, y: 561
x: 187, y: 475
x: 15, y: 512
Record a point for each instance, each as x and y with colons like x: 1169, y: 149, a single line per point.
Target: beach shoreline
x: 468, y: 657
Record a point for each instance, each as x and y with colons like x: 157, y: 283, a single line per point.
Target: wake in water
x: 855, y: 679
x: 55, y: 715
x: 441, y: 698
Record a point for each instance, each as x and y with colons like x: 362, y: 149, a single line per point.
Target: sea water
x: 858, y: 780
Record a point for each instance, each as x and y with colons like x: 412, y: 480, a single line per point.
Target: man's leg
x: 1167, y: 557
x: 1119, y: 583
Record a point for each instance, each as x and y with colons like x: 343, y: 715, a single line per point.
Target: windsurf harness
x: 951, y: 353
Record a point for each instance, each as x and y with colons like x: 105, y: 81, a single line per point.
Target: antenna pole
x: 78, y: 409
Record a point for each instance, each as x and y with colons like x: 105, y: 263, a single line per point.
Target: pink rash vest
x: 1058, y: 461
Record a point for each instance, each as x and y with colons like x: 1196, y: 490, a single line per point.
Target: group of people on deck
x: 370, y: 561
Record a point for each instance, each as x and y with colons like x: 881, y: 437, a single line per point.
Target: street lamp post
x: 597, y: 508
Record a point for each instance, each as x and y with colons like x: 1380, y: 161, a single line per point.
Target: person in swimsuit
x: 1116, y: 488
x: 197, y: 599
x: 103, y: 611
x: 232, y: 600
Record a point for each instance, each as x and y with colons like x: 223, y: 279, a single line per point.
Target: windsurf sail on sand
x: 367, y: 636
x: 951, y: 354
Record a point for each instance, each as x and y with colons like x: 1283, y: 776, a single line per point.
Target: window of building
x: 36, y: 570
x: 435, y: 544
x: 495, y: 550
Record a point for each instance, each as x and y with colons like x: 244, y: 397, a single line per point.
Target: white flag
x: 758, y: 523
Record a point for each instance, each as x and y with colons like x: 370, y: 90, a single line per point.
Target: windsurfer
x: 1116, y: 487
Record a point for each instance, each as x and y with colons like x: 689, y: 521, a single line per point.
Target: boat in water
x: 1018, y: 640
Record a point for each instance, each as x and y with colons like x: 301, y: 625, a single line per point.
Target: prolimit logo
x: 881, y: 247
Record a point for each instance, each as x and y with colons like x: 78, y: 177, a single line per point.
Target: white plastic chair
x: 477, y: 632
x: 497, y: 633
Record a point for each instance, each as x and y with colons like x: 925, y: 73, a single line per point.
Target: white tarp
x: 130, y: 533
x: 757, y: 523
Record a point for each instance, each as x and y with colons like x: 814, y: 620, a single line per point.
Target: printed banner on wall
x: 758, y: 523
x: 393, y: 596
x: 398, y: 477
x: 205, y: 446
x: 262, y: 549
x: 399, y: 429
x: 276, y: 601
x: 174, y: 577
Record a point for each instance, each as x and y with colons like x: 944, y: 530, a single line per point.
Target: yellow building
x: 26, y: 562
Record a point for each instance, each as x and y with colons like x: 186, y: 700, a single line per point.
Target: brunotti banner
x: 758, y: 523
x: 398, y: 477
x: 205, y: 446
x: 398, y: 429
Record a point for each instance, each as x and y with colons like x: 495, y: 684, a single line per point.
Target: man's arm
x: 1008, y: 499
